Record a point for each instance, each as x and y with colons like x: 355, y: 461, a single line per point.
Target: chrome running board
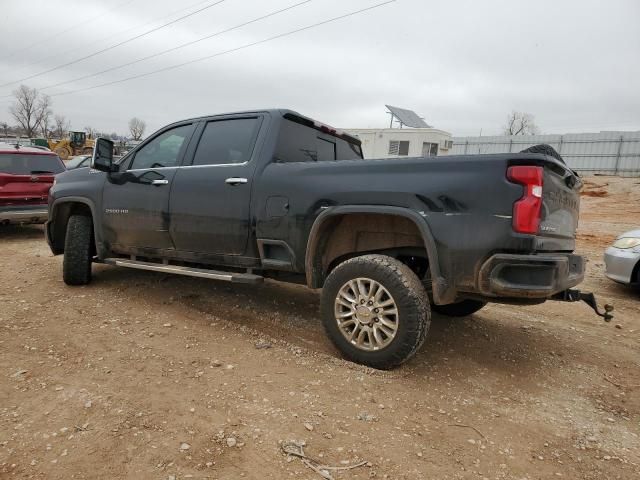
x: 233, y: 277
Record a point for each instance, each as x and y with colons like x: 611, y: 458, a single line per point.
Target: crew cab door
x: 210, y: 198
x: 135, y: 200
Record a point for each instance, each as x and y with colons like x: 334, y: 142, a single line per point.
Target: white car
x: 622, y: 259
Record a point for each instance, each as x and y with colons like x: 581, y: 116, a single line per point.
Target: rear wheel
x: 459, y: 309
x: 375, y: 310
x: 76, y: 266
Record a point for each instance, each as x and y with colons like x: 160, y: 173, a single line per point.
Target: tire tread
x: 76, y: 266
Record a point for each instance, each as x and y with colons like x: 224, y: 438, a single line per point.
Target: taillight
x: 526, y: 211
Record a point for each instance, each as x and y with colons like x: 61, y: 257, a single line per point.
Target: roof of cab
x: 281, y: 112
x: 272, y: 111
x: 21, y: 149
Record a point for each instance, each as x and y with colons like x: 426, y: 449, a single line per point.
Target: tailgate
x: 560, y: 208
x: 24, y: 189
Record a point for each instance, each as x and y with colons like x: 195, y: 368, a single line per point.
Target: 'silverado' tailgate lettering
x: 562, y: 199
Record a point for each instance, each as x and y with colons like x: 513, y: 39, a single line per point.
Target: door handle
x: 235, y: 181
x: 159, y: 182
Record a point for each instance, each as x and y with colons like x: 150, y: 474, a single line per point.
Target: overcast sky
x: 462, y: 65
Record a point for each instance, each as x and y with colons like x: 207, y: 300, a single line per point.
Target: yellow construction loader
x: 76, y: 144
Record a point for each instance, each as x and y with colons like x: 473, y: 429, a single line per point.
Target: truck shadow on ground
x: 21, y: 232
x: 488, y: 339
x: 618, y: 291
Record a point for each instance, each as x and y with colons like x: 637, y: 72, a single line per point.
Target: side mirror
x: 102, y: 158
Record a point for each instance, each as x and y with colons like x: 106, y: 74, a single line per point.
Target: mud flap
x: 588, y: 298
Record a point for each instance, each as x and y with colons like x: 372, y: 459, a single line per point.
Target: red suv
x: 26, y: 175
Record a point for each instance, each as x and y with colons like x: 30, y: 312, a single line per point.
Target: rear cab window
x: 298, y: 142
x: 30, y: 164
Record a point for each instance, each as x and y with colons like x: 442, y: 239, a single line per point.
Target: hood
x: 630, y: 233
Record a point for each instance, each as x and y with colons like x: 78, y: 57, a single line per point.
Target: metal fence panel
x: 609, y: 153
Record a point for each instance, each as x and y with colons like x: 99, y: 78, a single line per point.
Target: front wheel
x: 459, y: 309
x: 375, y: 310
x: 76, y: 266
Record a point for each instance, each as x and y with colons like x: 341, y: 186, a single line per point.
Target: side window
x: 399, y: 147
x: 299, y: 143
x: 348, y: 151
x: 326, y: 150
x: 164, y: 150
x: 227, y: 141
x: 296, y: 143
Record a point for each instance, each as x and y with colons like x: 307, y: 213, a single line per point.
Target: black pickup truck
x: 270, y: 193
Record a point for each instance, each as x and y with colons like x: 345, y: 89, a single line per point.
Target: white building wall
x: 375, y: 141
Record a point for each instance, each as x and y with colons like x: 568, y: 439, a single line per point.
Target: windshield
x: 76, y: 137
x: 25, y: 164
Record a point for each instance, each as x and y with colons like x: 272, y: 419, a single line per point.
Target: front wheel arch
x: 61, y: 211
x: 635, y: 275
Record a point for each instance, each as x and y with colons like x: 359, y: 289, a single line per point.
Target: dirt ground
x: 148, y: 376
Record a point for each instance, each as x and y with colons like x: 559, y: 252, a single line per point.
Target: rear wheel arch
x: 317, y: 266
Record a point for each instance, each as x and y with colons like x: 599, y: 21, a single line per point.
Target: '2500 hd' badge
x: 116, y: 210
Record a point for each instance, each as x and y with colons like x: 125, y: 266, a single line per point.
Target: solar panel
x: 408, y: 118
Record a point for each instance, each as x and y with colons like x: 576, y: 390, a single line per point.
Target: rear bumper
x: 530, y: 276
x: 28, y: 214
x: 620, y: 264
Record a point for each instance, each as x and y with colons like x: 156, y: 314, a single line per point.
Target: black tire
x: 544, y: 149
x: 76, y: 266
x: 459, y: 309
x: 408, y: 294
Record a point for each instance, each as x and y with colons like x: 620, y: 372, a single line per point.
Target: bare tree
x: 61, y: 126
x: 5, y: 128
x: 91, y: 132
x: 45, y: 123
x: 137, y: 128
x: 31, y: 109
x: 520, y: 123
